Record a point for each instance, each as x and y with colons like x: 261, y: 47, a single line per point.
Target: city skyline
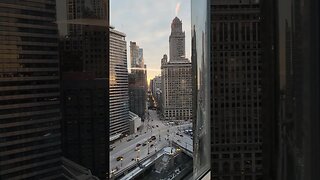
x: 153, y: 35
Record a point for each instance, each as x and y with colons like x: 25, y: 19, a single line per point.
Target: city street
x: 127, y: 149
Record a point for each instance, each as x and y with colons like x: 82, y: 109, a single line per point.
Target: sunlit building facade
x: 176, y: 78
x: 118, y: 84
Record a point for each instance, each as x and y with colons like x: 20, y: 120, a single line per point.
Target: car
x: 129, y: 140
x: 138, y: 145
x: 177, y: 134
x: 181, y: 135
x: 157, y: 125
x: 144, y: 144
x: 119, y: 158
x: 153, y: 138
x: 136, y: 135
x: 137, y: 149
x: 151, y: 145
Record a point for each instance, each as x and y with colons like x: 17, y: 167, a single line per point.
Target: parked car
x: 138, y: 145
x: 144, y: 144
x: 151, y: 145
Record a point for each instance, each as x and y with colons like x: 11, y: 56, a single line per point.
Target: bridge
x: 184, y: 143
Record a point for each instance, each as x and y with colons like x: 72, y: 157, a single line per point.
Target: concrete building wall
x: 176, y: 78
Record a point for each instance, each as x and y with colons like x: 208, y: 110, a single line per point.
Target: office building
x: 138, y: 85
x: 84, y: 125
x: 137, y: 93
x: 230, y: 63
x: 176, y: 78
x: 236, y: 124
x: 136, y: 56
x: 30, y: 137
x: 87, y: 22
x: 84, y: 68
x: 118, y: 85
x: 155, y: 86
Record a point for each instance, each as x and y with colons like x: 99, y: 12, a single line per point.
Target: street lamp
x: 121, y: 162
x: 138, y: 155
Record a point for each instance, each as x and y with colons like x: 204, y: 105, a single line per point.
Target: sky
x: 148, y: 22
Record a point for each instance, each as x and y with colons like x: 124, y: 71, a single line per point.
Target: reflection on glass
x: 201, y: 89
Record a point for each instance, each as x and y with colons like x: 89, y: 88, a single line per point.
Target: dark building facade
x: 297, y: 87
x: 29, y: 91
x: 84, y: 127
x: 84, y: 68
x: 137, y: 93
x: 289, y: 66
x: 236, y: 124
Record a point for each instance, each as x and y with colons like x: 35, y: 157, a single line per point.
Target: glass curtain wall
x: 298, y: 54
x: 201, y: 87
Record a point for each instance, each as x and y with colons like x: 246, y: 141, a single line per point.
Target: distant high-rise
x: 137, y: 93
x: 156, y: 90
x: 177, y: 41
x: 236, y: 124
x: 118, y: 85
x: 176, y: 77
x: 136, y: 56
x: 138, y: 85
x: 84, y: 68
x: 30, y: 138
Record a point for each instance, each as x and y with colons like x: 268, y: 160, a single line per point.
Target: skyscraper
x: 29, y: 91
x: 156, y: 88
x: 176, y: 77
x: 137, y: 93
x: 84, y: 69
x: 177, y: 41
x: 118, y: 85
x: 138, y: 85
x: 136, y: 56
x: 236, y: 125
